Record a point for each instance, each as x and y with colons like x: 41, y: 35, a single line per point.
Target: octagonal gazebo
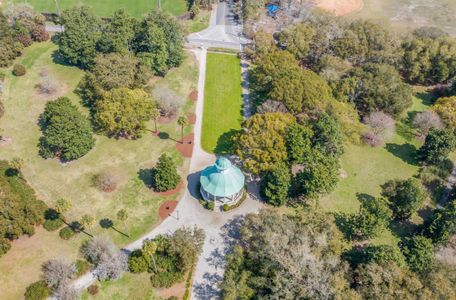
x: 222, y: 182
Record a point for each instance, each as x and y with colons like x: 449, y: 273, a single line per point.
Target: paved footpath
x: 220, y: 227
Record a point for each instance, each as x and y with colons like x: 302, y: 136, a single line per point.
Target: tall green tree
x: 373, y: 217
x: 182, y: 121
x: 117, y: 33
x: 261, y: 145
x: 418, y: 252
x: 328, y: 137
x: 319, y: 175
x: 378, y: 87
x: 66, y: 132
x: 123, y: 112
x: 173, y: 36
x: 165, y: 176
x: 276, y: 185
x: 77, y: 44
x: 298, y: 141
x: 405, y: 196
x: 442, y: 224
x: 437, y: 146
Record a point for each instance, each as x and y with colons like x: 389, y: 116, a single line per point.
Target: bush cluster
x: 19, y: 70
x: 20, y: 209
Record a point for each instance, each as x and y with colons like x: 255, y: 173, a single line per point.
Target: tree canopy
x: 261, y: 145
x: 66, y: 132
x: 123, y: 112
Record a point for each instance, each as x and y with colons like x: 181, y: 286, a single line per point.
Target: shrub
x: 426, y: 120
x: 227, y: 207
x: 137, y: 262
x: 82, y: 267
x: 165, y: 175
x: 52, y: 225
x: 37, y: 291
x: 105, y: 182
x: 211, y: 205
x: 437, y: 146
x: 93, y: 289
x: 405, y: 196
x: 66, y: 233
x: 39, y: 33
x: 4, y: 246
x: 165, y: 279
x: 19, y: 70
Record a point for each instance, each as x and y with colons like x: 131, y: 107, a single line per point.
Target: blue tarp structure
x: 272, y: 9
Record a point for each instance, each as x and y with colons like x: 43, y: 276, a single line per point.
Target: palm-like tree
x: 154, y: 115
x: 182, y: 121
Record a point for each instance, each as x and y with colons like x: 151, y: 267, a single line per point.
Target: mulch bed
x: 191, y: 117
x: 173, y: 191
x: 193, y: 96
x: 186, y: 148
x: 166, y: 208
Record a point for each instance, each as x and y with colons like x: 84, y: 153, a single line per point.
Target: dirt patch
x: 166, y: 209
x: 341, y: 7
x: 191, y: 118
x: 177, y: 290
x: 193, y: 96
x: 166, y: 120
x: 186, y: 148
x: 173, y: 191
x: 6, y: 141
x: 60, y: 91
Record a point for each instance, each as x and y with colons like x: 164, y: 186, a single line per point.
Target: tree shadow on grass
x: 406, y: 152
x: 225, y: 143
x: 108, y: 223
x: 147, y: 176
x: 58, y: 59
x: 166, y: 136
x: 402, y: 228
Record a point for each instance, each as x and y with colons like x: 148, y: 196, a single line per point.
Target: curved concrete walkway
x: 220, y: 227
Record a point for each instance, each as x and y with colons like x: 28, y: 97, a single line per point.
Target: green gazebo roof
x: 222, y: 179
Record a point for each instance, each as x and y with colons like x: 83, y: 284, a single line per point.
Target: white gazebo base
x: 219, y: 201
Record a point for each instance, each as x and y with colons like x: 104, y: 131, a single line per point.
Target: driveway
x: 223, y: 31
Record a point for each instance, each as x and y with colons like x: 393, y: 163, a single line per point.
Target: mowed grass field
x: 105, y: 8
x: 368, y: 168
x: 73, y: 181
x: 222, y: 102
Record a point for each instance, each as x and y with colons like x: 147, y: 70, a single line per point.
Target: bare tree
x: 426, y: 120
x: 65, y: 292
x: 381, y: 128
x: 110, y: 262
x: 168, y: 101
x: 98, y: 247
x: 57, y: 273
x: 47, y: 86
x: 271, y: 106
x: 381, y: 124
x: 112, y: 267
x: 105, y: 181
x: 373, y: 139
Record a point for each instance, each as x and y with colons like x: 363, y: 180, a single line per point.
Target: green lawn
x: 53, y: 180
x: 105, y: 8
x: 222, y: 102
x: 368, y: 168
x: 129, y: 286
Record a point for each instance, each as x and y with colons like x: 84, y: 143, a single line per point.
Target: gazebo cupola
x: 222, y: 182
